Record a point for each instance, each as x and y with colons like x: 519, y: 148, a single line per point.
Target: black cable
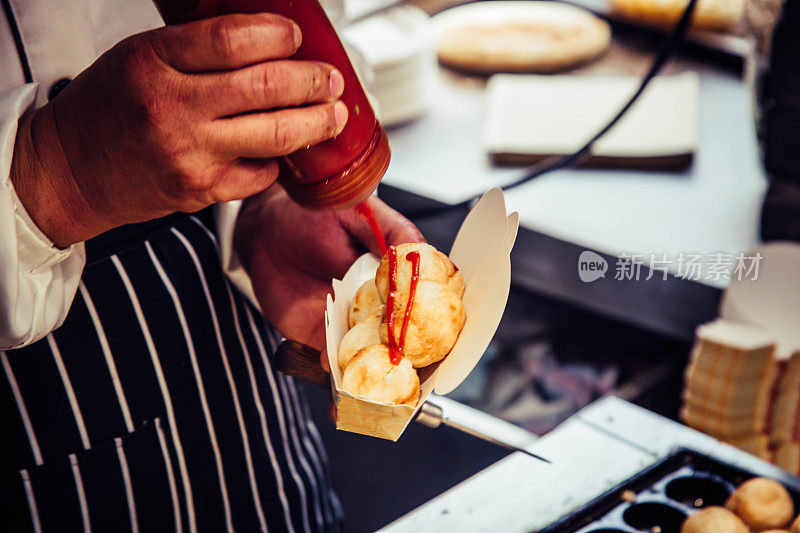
x: 671, y: 45
x: 23, y: 56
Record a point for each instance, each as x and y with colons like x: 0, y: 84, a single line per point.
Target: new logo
x: 591, y: 266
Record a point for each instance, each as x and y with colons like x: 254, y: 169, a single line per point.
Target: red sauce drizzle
x: 413, y: 257
x: 396, y: 345
x: 394, y: 350
x: 366, y: 211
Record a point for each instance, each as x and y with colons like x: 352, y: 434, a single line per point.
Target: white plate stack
x: 398, y: 48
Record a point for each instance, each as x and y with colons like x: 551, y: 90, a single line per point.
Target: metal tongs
x: 302, y: 362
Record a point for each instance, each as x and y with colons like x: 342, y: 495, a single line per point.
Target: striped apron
x: 155, y: 406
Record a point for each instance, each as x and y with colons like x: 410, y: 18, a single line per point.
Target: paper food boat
x: 482, y: 252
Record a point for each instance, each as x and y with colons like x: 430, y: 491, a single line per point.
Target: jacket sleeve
x: 225, y: 215
x: 37, y: 279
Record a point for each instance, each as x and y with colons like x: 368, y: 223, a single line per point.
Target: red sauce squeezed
x: 413, y: 257
x: 396, y: 345
x: 394, y: 350
x: 366, y: 211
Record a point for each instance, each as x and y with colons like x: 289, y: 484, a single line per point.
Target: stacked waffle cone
x: 740, y: 391
x: 785, y: 421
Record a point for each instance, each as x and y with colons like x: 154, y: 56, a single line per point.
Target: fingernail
x: 335, y: 83
x: 340, y: 115
x: 298, y: 36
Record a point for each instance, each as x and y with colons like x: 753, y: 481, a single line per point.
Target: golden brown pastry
x: 714, y: 520
x: 371, y: 375
x: 491, y: 37
x: 796, y: 525
x: 762, y: 503
x: 718, y: 15
x: 433, y: 266
x: 436, y: 319
x: 367, y: 305
x: 361, y: 335
x: 775, y: 531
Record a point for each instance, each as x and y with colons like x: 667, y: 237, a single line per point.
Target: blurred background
x: 472, y: 93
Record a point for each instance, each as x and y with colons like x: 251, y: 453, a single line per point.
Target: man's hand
x: 292, y: 253
x: 173, y: 119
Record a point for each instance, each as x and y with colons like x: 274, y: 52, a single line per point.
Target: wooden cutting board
x: 530, y: 117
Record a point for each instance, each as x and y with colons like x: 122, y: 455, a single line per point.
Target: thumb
x: 323, y: 360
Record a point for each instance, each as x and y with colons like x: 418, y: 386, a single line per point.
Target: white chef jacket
x: 38, y: 280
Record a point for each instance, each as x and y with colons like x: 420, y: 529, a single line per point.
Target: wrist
x: 43, y: 181
x: 250, y: 224
x: 245, y: 230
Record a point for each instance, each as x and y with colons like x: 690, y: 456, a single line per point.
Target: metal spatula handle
x: 302, y: 362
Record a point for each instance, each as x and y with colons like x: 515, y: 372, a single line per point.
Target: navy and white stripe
x: 155, y: 406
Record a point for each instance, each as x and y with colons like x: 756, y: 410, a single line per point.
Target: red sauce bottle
x: 337, y: 173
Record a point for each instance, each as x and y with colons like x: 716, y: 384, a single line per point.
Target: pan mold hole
x: 654, y: 517
x: 697, y: 492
